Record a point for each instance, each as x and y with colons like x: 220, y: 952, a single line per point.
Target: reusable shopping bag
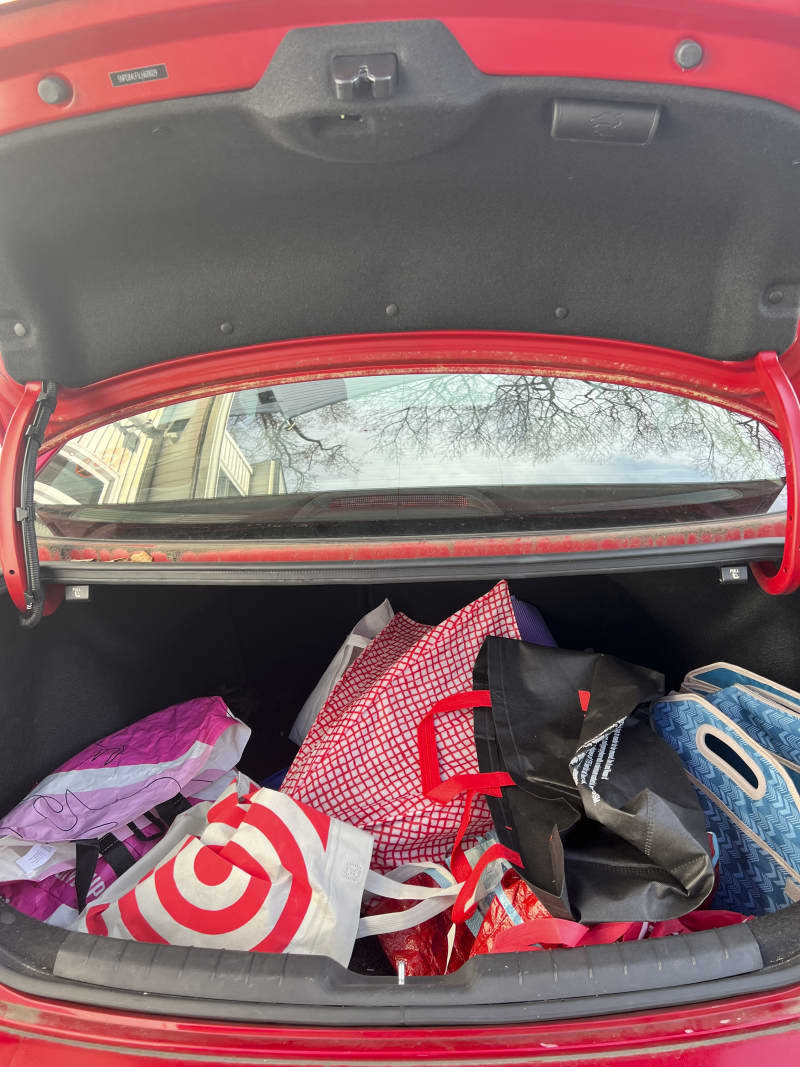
x: 766, y: 711
x: 506, y: 919
x: 716, y: 676
x: 442, y: 945
x: 102, y: 810
x: 263, y: 873
x: 532, y: 628
x: 589, y: 804
x: 359, y: 762
x: 747, y: 793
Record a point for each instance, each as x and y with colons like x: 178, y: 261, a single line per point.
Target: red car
x: 303, y: 306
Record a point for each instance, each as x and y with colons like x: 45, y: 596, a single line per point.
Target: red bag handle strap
x: 529, y: 935
x: 464, y: 906
x: 536, y: 932
x: 696, y: 921
x: 608, y: 933
x: 442, y: 792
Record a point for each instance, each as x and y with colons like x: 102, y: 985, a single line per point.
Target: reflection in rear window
x: 411, y: 452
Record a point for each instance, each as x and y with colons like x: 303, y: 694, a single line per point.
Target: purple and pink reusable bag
x: 94, y: 816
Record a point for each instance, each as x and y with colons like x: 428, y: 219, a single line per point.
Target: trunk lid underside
x: 656, y: 214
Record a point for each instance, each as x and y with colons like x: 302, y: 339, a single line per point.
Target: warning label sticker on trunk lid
x: 139, y: 74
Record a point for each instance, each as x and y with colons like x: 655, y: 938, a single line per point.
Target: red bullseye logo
x: 245, y: 892
x: 206, y: 891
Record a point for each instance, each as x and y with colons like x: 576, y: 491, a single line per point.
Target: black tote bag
x: 593, y: 804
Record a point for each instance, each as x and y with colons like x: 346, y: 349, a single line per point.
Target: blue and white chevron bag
x: 738, y: 735
x: 768, y: 712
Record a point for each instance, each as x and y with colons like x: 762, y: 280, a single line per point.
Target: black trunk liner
x: 91, y: 668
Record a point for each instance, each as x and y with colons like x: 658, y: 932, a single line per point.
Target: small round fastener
x: 688, y: 54
x: 20, y: 329
x: 54, y: 90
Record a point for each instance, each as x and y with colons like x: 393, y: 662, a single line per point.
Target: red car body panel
x: 209, y: 46
x: 750, y: 47
x: 735, y: 384
x: 731, y: 1033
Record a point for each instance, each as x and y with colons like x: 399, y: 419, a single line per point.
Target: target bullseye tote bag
x: 261, y: 873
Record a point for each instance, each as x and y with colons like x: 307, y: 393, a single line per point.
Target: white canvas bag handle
x: 433, y: 899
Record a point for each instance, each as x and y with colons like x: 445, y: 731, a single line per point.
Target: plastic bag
x: 441, y: 946
x: 513, y: 904
x: 424, y: 949
x: 120, y: 793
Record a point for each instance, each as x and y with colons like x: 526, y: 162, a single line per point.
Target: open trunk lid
x: 185, y: 198
x: 373, y: 179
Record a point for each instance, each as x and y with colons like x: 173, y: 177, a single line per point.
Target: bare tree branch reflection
x: 300, y: 455
x: 551, y: 419
x: 543, y: 419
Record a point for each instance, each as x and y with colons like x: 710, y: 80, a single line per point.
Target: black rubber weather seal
x: 26, y: 511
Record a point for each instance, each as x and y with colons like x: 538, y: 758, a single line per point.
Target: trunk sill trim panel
x: 358, y: 571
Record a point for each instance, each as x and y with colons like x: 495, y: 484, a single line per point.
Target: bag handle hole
x: 732, y: 760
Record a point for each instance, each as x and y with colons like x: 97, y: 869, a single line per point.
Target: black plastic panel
x: 46, y: 961
x: 315, y: 981
x: 130, y: 237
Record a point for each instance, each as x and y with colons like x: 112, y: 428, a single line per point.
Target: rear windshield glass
x: 410, y: 454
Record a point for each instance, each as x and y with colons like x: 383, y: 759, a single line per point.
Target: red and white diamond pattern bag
x: 359, y: 762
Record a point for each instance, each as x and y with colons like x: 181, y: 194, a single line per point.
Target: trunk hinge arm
x: 19, y: 554
x: 780, y: 392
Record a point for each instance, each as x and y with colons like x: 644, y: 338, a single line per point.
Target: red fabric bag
x: 359, y: 762
x: 425, y: 949
x: 441, y: 945
x: 509, y: 917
